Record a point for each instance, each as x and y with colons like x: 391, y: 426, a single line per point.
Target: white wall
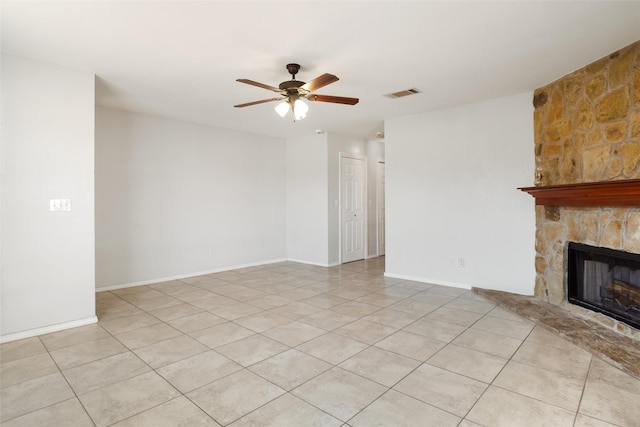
x: 174, y: 198
x: 451, y: 193
x: 307, y: 221
x: 47, y: 136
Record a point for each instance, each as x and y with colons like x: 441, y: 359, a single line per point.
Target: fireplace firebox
x: 605, y: 280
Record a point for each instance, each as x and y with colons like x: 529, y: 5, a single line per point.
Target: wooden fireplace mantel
x: 607, y: 193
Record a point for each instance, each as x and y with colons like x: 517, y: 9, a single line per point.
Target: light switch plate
x: 60, y: 205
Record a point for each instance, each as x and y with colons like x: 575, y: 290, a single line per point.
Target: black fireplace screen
x: 605, y: 280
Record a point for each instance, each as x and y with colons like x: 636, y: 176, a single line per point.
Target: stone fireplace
x: 587, y: 129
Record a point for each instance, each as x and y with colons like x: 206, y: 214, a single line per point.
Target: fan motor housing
x: 290, y: 84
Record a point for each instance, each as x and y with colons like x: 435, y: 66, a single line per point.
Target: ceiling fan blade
x: 320, y: 81
x: 334, y: 99
x: 262, y: 85
x: 262, y: 101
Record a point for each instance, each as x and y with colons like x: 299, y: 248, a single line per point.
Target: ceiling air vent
x: 403, y: 93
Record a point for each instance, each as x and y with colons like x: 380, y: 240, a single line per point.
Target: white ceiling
x: 180, y: 59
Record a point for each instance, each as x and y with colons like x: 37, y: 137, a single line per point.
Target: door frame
x: 379, y: 202
x: 364, y: 201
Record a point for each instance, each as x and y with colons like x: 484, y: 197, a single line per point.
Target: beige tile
x: 328, y: 320
x: 121, y: 400
x: 296, y: 310
x: 366, y: 332
x: 20, y: 349
x: 262, y: 321
x: 574, y: 363
x: 196, y: 322
x: 294, y: 333
x: 156, y: 303
x: 253, y: 349
x: 148, y: 335
x: 394, y: 318
x: 73, y: 336
x: 611, y: 395
x: 170, y: 351
x: 179, y: 412
x: 380, y: 300
x: 399, y: 410
x: 173, y: 287
x: 350, y: 292
x: 467, y: 423
x: 287, y: 411
x: 25, y: 369
x: 28, y: 396
x: 194, y: 295
x: 506, y: 314
x: 432, y: 298
x: 247, y: 294
x: 460, y: 303
x: 355, y: 308
x: 269, y: 302
x: 446, y: 390
x: 137, y: 293
x: 222, y: 334
x: 502, y: 408
x: 475, y: 364
x: 234, y: 396
x: 411, y: 345
x: 541, y: 384
x: 441, y: 331
x: 325, y: 300
x: 229, y: 289
x: 542, y: 336
x: 236, y: 311
x: 380, y: 365
x: 487, y: 342
x: 458, y: 317
x: 69, y: 413
x: 298, y: 294
x: 86, y: 352
x: 103, y: 372
x: 510, y: 328
x: 446, y: 290
x: 399, y: 291
x: 340, y: 393
x: 413, y: 306
x: 332, y: 348
x: 214, y: 302
x: 196, y: 371
x: 129, y: 323
x: 176, y: 312
x: 585, y: 421
x: 290, y: 368
x: 113, y: 311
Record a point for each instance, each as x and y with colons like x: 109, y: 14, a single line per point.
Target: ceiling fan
x: 293, y: 91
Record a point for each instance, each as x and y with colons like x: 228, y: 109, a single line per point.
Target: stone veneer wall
x: 587, y: 128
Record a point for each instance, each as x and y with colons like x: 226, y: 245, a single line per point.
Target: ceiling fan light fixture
x: 300, y: 109
x: 282, y: 108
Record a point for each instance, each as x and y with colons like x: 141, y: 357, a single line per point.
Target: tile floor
x: 295, y: 345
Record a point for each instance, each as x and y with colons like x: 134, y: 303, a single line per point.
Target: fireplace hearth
x: 604, y: 280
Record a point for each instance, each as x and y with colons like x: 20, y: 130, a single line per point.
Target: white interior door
x: 352, y: 209
x: 381, y: 217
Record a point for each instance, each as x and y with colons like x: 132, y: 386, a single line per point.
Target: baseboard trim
x: 318, y: 264
x: 427, y: 280
x: 47, y: 329
x: 184, y: 276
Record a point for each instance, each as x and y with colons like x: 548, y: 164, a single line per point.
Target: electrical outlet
x: 460, y: 262
x: 60, y: 205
